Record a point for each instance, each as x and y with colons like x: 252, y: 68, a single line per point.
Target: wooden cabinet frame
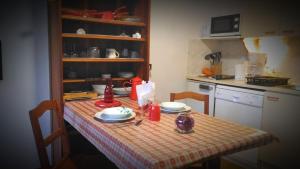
x: 55, y: 48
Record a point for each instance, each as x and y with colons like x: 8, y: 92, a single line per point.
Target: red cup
x: 154, y: 112
x: 107, y: 15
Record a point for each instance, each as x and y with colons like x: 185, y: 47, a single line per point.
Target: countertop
x: 243, y: 84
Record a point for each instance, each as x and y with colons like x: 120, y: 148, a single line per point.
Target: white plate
x: 186, y: 108
x: 115, y: 114
x: 173, y: 106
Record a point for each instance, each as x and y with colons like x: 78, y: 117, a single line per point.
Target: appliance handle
x: 204, y: 87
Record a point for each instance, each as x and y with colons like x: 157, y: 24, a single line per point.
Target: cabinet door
x: 281, y: 118
x: 259, y: 18
x: 289, y: 22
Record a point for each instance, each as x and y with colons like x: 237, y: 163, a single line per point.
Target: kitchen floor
x: 229, y: 165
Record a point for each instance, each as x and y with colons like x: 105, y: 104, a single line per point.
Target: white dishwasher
x: 243, y: 106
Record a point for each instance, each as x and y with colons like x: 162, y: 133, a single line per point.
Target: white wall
x: 26, y: 79
x: 173, y: 24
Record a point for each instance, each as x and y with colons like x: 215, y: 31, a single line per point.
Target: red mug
x: 154, y: 111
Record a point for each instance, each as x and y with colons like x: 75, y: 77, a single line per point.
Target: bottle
x: 108, y: 94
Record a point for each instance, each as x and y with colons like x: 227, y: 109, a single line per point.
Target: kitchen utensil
x: 239, y: 72
x: 214, y: 58
x: 112, y: 53
x: 126, y: 74
x: 185, y: 109
x: 139, y: 122
x: 173, y: 106
x: 134, y: 82
x: 184, y: 123
x: 154, y: 111
x: 116, y: 112
x: 125, y: 53
x: 80, y: 31
x: 99, y: 88
x: 93, y: 52
x: 114, y: 115
x: 122, y: 90
x: 136, y: 35
x: 108, y: 93
x: 134, y: 54
x: 102, y: 104
x: 106, y: 76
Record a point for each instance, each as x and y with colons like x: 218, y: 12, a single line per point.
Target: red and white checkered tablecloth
x: 157, y: 144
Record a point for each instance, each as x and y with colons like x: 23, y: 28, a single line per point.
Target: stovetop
x: 222, y: 77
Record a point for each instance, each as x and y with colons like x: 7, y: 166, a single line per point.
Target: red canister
x: 154, y: 111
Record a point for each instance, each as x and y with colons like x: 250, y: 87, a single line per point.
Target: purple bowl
x: 184, y: 122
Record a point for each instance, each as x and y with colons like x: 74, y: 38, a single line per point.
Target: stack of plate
x: 115, y: 114
x: 126, y: 74
x: 174, y: 107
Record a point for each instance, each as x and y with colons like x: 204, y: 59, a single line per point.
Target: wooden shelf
x: 92, y: 80
x: 104, y: 60
x: 99, y: 20
x: 96, y: 36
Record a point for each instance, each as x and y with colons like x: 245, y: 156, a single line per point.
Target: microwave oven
x: 228, y: 25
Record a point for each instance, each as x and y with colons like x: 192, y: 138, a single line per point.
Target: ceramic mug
x: 93, y: 52
x: 112, y: 53
x: 125, y: 53
x: 134, y: 54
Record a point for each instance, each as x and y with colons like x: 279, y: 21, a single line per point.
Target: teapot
x: 134, y: 82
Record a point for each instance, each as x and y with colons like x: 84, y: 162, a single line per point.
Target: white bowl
x: 99, y: 88
x: 126, y: 74
x: 122, y: 90
x: 106, y: 76
x: 116, y: 112
x: 173, y: 105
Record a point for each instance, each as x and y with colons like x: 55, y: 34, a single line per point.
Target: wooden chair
x: 192, y: 95
x: 61, y: 133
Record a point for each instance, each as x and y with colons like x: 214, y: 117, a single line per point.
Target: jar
x: 184, y: 122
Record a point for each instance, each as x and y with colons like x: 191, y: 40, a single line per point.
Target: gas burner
x: 267, y: 80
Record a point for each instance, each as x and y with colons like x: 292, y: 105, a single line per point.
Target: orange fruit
x: 207, y: 71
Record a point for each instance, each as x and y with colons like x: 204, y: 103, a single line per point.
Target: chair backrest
x: 192, y: 95
x: 59, y: 134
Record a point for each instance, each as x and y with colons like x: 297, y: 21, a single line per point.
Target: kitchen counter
x: 243, y: 84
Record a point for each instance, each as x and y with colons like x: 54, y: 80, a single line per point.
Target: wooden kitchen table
x: 157, y: 144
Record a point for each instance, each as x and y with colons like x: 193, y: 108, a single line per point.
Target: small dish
x: 99, y: 88
x: 122, y: 90
x: 106, y: 76
x: 126, y: 74
x: 173, y: 106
